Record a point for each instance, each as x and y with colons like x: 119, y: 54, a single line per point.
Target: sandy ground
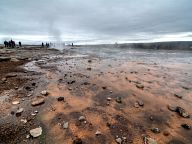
x: 118, y: 98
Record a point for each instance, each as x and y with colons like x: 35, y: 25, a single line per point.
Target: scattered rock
x: 60, y: 99
x: 172, y: 108
x: 19, y: 111
x: 15, y: 102
x: 178, y: 96
x: 148, y: 140
x: 97, y: 133
x: 118, y: 100
x: 4, y: 79
x: 14, y: 60
x: 77, y: 141
x: 82, y: 118
x: 109, y: 98
x: 186, y: 126
x: 182, y: 112
x: 155, y: 130
x: 186, y: 88
x: 66, y: 125
x: 136, y: 105
x: 89, y: 61
x: 36, y: 132
x: 24, y: 121
x: 104, y: 87
x: 27, y: 136
x: 45, y: 93
x: 10, y: 75
x: 141, y: 103
x: 89, y: 69
x: 119, y: 140
x: 38, y: 101
x: 140, y: 86
x: 166, y: 133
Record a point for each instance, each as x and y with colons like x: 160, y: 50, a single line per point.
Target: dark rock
x: 89, y: 69
x: 166, y: 133
x: 104, y: 87
x: 89, y: 61
x: 182, y: 112
x: 77, y: 141
x: 186, y: 126
x: 118, y: 100
x: 19, y: 111
x: 140, y: 86
x: 155, y: 130
x: 60, y: 98
x: 178, y: 96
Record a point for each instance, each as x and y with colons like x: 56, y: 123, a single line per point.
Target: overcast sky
x: 96, y: 21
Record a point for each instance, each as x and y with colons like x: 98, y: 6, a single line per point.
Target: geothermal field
x: 95, y: 95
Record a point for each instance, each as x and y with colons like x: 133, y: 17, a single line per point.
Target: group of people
x: 11, y: 44
x: 47, y: 45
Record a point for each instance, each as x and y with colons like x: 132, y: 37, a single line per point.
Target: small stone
x: 118, y: 100
x: 89, y: 69
x: 149, y: 141
x: 141, y: 103
x: 140, y: 86
x: 27, y: 136
x: 38, y: 101
x: 45, y: 93
x: 186, y: 126
x: 104, y: 87
x: 19, y: 111
x: 171, y: 108
x: 60, y: 99
x: 89, y: 61
x: 14, y: 60
x: 178, y: 96
x: 36, y: 132
x: 4, y: 79
x: 109, y: 98
x: 24, y: 121
x: 166, y: 133
x: 155, y: 130
x: 136, y: 105
x: 119, y: 140
x: 82, y: 118
x: 77, y: 141
x: 98, y: 133
x: 15, y: 102
x: 66, y: 125
x: 11, y: 75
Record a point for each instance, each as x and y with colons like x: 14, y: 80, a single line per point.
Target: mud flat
x: 95, y: 96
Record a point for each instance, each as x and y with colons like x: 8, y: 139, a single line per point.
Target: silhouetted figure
x: 47, y: 45
x: 42, y: 45
x: 13, y: 44
x: 6, y: 43
x: 20, y: 45
x: 72, y: 44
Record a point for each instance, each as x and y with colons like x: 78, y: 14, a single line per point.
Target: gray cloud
x: 95, y: 19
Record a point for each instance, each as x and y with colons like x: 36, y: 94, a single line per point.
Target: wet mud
x: 105, y: 97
